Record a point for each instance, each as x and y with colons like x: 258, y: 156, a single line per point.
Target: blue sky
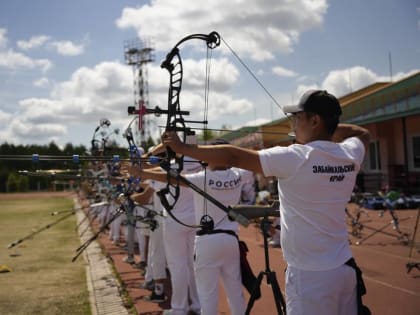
x: 62, y: 64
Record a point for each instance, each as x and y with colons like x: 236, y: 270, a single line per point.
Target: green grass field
x: 43, y: 278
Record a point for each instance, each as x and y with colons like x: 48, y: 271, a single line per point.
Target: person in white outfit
x: 216, y: 247
x: 179, y: 248
x: 248, y: 193
x: 217, y: 250
x: 156, y: 260
x: 316, y: 176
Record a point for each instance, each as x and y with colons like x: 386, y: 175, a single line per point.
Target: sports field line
x: 391, y: 286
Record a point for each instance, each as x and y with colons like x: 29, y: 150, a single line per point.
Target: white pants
x: 141, y: 241
x: 141, y: 231
x: 330, y: 292
x: 179, y: 249
x: 103, y: 214
x: 116, y: 224
x: 157, y: 258
x: 217, y: 257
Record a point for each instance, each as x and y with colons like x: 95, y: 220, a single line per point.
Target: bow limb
x: 175, y: 120
x: 134, y: 152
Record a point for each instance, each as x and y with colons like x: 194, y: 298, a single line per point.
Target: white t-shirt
x: 315, y: 182
x: 223, y: 185
x: 248, y: 186
x: 156, y: 186
x: 183, y: 208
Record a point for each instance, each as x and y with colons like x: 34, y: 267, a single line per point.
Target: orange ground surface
x: 381, y: 255
x: 382, y: 258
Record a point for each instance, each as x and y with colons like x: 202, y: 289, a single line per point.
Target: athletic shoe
x: 148, y: 285
x: 395, y: 224
x: 141, y: 265
x: 274, y: 243
x: 155, y: 298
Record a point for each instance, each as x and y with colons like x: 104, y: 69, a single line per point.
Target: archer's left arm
x: 345, y: 131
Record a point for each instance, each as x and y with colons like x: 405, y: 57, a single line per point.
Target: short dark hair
x: 330, y: 122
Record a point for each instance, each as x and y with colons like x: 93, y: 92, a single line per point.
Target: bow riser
x: 175, y: 120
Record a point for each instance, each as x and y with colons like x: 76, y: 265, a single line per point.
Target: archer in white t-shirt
x: 216, y: 250
x: 315, y: 179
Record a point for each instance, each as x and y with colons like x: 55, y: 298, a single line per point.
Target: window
x: 416, y: 152
x: 374, y: 156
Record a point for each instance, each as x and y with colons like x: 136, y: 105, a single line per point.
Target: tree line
x: 11, y: 181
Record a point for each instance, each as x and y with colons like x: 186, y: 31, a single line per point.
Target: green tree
x: 23, y: 183
x: 206, y: 135
x: 12, y: 183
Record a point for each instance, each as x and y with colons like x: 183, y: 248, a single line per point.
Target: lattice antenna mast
x: 138, y: 53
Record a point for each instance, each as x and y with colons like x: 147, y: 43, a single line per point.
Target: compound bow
x: 176, y: 122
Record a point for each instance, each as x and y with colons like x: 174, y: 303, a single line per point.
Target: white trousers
x: 103, y: 214
x: 116, y: 224
x: 217, y: 257
x: 330, y: 292
x: 157, y: 258
x: 141, y: 231
x: 179, y: 249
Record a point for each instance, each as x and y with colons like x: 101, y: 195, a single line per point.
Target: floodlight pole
x: 138, y: 53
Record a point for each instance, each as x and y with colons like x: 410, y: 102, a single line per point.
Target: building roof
x: 375, y: 102
x: 397, y: 99
x: 353, y: 96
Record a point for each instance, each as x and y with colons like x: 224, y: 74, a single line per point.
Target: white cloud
x: 344, y: 81
x: 283, y: 72
x: 33, y: 42
x: 35, y: 132
x: 4, y: 117
x: 107, y: 87
x: 302, y: 89
x: 222, y: 74
x: 68, y: 48
x: 14, y: 60
x: 34, y: 122
x: 3, y: 38
x: 224, y: 104
x: 42, y: 82
x: 255, y: 29
x: 257, y: 122
x: 90, y: 94
x: 106, y: 90
x: 63, y: 47
x: 418, y: 22
x: 223, y: 77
